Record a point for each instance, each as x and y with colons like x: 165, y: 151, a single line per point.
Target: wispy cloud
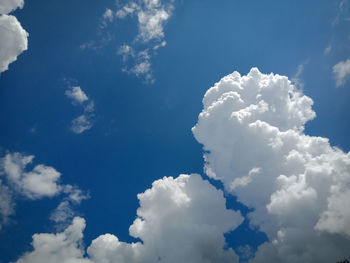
x: 341, y: 72
x: 84, y: 121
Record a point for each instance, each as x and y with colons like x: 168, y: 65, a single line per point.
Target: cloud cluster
x: 84, y: 121
x: 251, y: 128
x: 14, y: 39
x: 40, y: 182
x: 152, y: 15
x: 179, y: 220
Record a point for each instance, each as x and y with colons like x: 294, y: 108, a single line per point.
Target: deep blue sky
x: 142, y: 131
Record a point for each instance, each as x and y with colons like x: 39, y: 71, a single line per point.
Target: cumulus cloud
x: 251, y: 128
x: 84, y: 121
x: 14, y: 39
x: 341, y: 71
x: 179, y: 220
x: 62, y: 247
x: 76, y: 94
x: 41, y: 181
x: 7, y: 6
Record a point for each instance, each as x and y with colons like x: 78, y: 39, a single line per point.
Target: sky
x: 174, y: 131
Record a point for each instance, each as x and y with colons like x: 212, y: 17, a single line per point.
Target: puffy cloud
x: 341, y: 71
x: 179, y: 220
x: 63, y: 247
x: 251, y: 128
x: 13, y: 41
x: 41, y: 181
x: 7, y: 6
x: 76, y: 94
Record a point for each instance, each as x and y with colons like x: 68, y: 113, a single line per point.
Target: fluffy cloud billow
x: 179, y: 220
x: 14, y: 39
x: 40, y: 182
x: 251, y: 128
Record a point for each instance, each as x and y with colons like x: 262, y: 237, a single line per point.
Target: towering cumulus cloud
x: 179, y: 220
x: 14, y: 39
x: 251, y: 128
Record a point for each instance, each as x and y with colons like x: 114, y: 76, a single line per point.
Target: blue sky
x: 137, y: 73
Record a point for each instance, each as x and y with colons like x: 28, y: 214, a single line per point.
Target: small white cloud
x: 84, y: 121
x: 76, y: 94
x: 126, y: 51
x: 328, y: 50
x: 108, y: 15
x: 81, y: 124
x: 162, y: 44
x: 126, y: 10
x: 41, y: 181
x: 341, y: 71
x: 75, y: 195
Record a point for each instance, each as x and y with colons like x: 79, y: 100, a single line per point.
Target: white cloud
x: 81, y: 124
x: 152, y: 15
x: 142, y: 62
x: 127, y: 9
x: 63, y: 247
x: 7, y: 6
x: 13, y: 41
x: 63, y: 213
x: 84, y: 121
x: 76, y: 94
x: 300, y: 190
x: 74, y: 194
x: 341, y: 71
x: 126, y: 51
x: 41, y: 181
x: 108, y: 15
x: 188, y: 209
